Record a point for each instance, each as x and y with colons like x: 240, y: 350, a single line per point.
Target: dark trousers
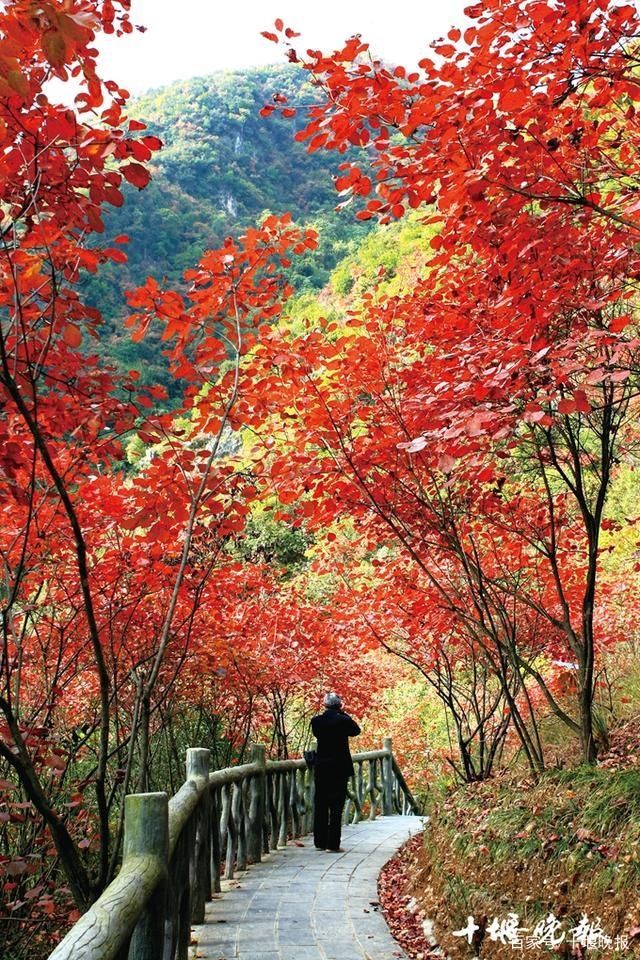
x: 331, y: 792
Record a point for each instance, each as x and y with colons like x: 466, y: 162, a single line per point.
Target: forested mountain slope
x: 221, y: 167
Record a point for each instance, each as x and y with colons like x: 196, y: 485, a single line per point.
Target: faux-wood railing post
x: 272, y: 809
x: 309, y: 799
x: 228, y: 831
x: 294, y: 805
x: 310, y: 792
x: 283, y: 808
x: 373, y: 788
x: 257, y: 804
x: 238, y: 813
x: 146, y: 837
x: 216, y: 845
x: 387, y: 778
x: 200, y: 854
x: 359, y: 792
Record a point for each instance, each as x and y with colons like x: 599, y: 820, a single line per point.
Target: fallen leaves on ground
x: 405, y: 920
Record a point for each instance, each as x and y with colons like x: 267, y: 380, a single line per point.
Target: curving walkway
x: 304, y: 904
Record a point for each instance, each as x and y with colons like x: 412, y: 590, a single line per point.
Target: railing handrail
x: 243, y: 771
x: 218, y: 801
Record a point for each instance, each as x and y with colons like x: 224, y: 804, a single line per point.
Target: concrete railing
x: 176, y: 851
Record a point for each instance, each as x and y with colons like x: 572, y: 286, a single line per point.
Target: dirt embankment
x: 542, y: 868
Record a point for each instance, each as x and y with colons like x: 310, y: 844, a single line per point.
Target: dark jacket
x: 332, y: 730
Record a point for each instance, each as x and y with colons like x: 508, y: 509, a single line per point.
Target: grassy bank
x: 567, y: 845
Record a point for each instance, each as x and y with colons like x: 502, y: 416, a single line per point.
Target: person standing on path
x: 332, y: 770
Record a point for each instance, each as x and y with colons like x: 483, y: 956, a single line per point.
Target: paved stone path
x: 305, y: 904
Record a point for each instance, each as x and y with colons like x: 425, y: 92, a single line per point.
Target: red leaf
x: 581, y: 401
x: 616, y: 324
x: 476, y: 189
x: 113, y: 196
x: 118, y: 256
x: 136, y: 174
x: 567, y: 405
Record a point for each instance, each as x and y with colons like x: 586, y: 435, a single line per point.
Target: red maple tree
x: 513, y: 362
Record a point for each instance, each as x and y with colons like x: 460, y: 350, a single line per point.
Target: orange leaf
x: 72, y: 335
